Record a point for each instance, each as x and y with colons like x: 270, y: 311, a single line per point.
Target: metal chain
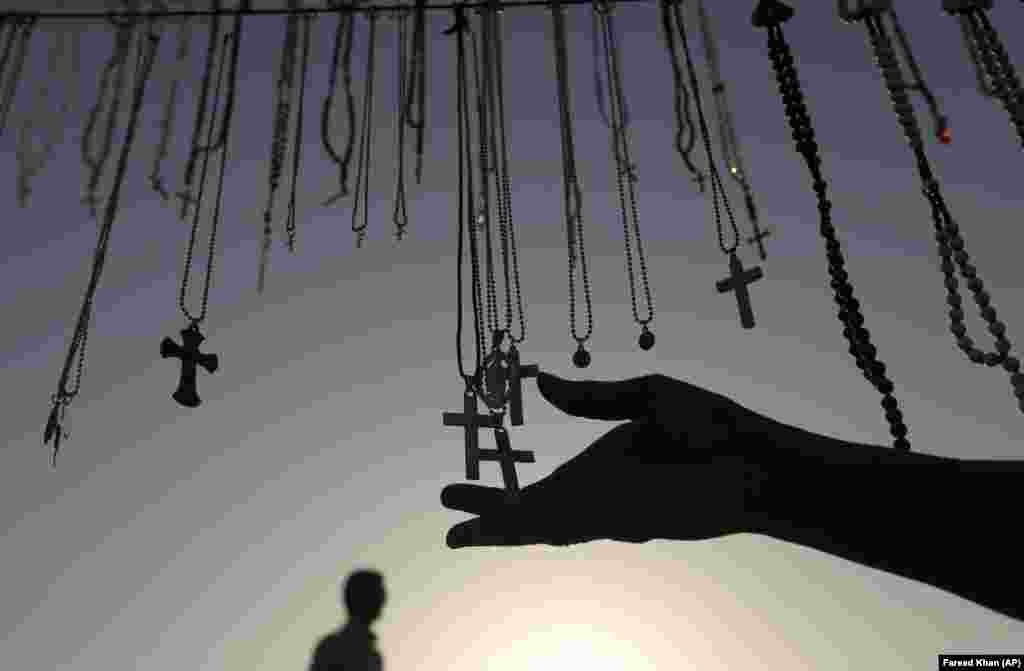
x: 291, y: 221
x: 572, y: 192
x: 342, y: 45
x: 56, y: 427
x: 365, y: 143
x: 625, y: 169
x: 43, y: 113
x: 27, y: 26
x: 1005, y: 83
x: 684, y: 122
x: 167, y: 123
x: 195, y: 321
x: 416, y: 91
x: 400, y: 215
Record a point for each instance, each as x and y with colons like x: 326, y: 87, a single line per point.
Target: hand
x: 676, y: 470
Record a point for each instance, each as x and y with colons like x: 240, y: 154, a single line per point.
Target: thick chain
x: 572, y: 192
x: 684, y: 122
x: 365, y: 142
x: 625, y: 169
x: 1006, y: 84
x: 195, y: 321
x: 342, y: 55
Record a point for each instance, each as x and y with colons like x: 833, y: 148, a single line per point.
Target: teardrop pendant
x: 581, y: 358
x: 646, y: 339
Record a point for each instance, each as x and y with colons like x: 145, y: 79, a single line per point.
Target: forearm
x: 946, y: 522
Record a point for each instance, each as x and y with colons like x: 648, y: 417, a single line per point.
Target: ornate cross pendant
x: 190, y: 356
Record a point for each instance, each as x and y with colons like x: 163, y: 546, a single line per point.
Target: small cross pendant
x: 737, y: 281
x: 508, y: 458
x: 471, y: 422
x: 516, y: 373
x: 190, y: 356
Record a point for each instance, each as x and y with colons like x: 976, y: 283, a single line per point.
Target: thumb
x: 631, y: 399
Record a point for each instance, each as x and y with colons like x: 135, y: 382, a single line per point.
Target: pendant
x: 190, y: 356
x: 646, y: 339
x: 581, y: 358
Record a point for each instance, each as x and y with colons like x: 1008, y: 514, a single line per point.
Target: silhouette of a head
x: 364, y: 595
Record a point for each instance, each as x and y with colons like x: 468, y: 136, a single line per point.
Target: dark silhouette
x: 353, y: 647
x: 692, y: 465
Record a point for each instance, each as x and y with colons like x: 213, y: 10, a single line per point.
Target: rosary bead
x: 839, y: 274
x: 951, y: 284
x: 884, y: 386
x: 1011, y: 364
x: 902, y: 443
x: 976, y: 356
x: 954, y: 300
x: 975, y: 285
x: 899, y: 431
x: 894, y: 415
x: 970, y: 272
x: 958, y: 329
x: 992, y: 359
x: 988, y: 313
x: 890, y: 403
x: 982, y: 298
x: 868, y: 351
x: 646, y: 340
x: 878, y: 369
x: 956, y: 314
x: 581, y: 359
x: 965, y: 343
x: 832, y: 246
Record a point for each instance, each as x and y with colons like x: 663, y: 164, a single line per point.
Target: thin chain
x: 466, y: 227
x: 598, y: 9
x: 416, y: 91
x: 625, y: 169
x: 508, y: 233
x: 202, y: 187
x: 400, y: 216
x: 342, y: 45
x: 572, y: 192
x: 45, y: 114
x: 63, y: 398
x: 27, y: 26
x: 716, y: 180
x: 167, y: 123
x: 115, y: 67
x: 285, y: 89
x: 365, y: 143
x: 684, y: 122
x: 187, y: 199
x: 297, y: 154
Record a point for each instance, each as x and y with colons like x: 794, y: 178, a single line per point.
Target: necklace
x: 282, y: 117
x: 45, y: 114
x: 618, y: 122
x: 989, y: 57
x: 400, y: 216
x: 21, y: 30
x: 684, y: 122
x: 115, y: 68
x: 469, y: 419
x: 416, y: 89
x: 947, y: 232
x: 738, y: 277
x: 56, y: 425
x: 572, y: 193
x: 290, y: 223
x: 170, y: 107
x: 188, y: 352
x: 342, y: 45
x: 365, y: 142
x: 727, y: 130
x: 771, y: 14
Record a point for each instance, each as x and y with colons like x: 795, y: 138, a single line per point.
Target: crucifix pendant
x: 737, y: 281
x: 508, y: 458
x: 190, y: 356
x: 471, y: 423
x: 516, y: 373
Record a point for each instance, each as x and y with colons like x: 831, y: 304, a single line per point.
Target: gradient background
x: 215, y: 538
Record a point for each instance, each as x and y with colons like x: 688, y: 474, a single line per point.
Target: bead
x: 965, y: 343
x: 894, y: 415
x: 955, y: 241
x: 970, y: 272
x: 581, y: 359
x: 1019, y: 392
x: 825, y: 207
x: 832, y: 246
x: 860, y: 333
x: 1011, y: 364
x: 898, y: 430
x: 901, y: 443
x: 982, y: 298
x: 1017, y: 380
x: 988, y: 313
x: 997, y: 328
x: 992, y: 359
x: 958, y: 329
x: 868, y: 351
x: 956, y: 314
x: 976, y: 356
x: 878, y: 369
x: 951, y: 284
x: 646, y: 340
x: 839, y: 274
x: 975, y: 285
x: 948, y: 267
x: 953, y: 229
x: 954, y: 300
x: 890, y: 403
x: 884, y: 386
x: 961, y: 257
x: 853, y: 305
x: 1002, y: 345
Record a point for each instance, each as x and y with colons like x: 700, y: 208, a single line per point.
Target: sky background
x: 215, y: 538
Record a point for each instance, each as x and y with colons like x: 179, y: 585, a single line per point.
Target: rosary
x: 490, y: 380
x: 342, y: 45
x: 727, y: 131
x: 996, y: 75
x: 947, y: 232
x: 738, y: 277
x: 188, y: 352
x: 56, y: 425
x: 618, y: 122
x: 170, y: 107
x: 684, y: 122
x: 572, y: 193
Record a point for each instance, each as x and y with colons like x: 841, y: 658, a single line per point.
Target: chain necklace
x: 342, y: 45
x: 112, y: 83
x: 618, y: 122
x: 738, y: 277
x: 416, y: 90
x: 771, y: 14
x: 727, y: 131
x: 947, y: 232
x: 291, y: 221
x: 990, y: 58
x: 188, y: 352
x: 573, y: 195
x: 365, y: 142
x: 282, y: 117
x: 56, y: 425
x: 170, y: 107
x: 684, y: 122
x: 400, y: 215
x: 45, y: 114
x: 21, y: 31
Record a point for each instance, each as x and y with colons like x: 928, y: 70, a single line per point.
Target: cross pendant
x: 737, y: 281
x: 471, y: 422
x: 516, y: 373
x: 508, y: 458
x: 190, y: 356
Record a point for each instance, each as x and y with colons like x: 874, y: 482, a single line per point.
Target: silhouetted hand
x: 674, y: 471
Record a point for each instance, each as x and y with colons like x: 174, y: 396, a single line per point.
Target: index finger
x: 631, y: 399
